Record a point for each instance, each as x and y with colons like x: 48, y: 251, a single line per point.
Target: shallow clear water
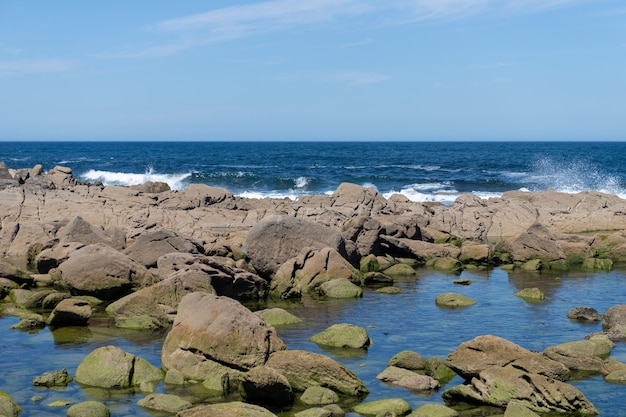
x: 410, y: 320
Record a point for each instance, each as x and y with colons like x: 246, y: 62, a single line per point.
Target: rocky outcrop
x: 148, y: 247
x: 483, y: 352
x: 497, y: 386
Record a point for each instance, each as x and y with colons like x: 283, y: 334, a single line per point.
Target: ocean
x: 422, y: 171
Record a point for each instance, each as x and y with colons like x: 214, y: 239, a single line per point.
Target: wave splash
x: 573, y: 177
x: 175, y: 181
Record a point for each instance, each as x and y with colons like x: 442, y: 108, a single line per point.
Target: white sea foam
x: 301, y: 182
x: 175, y: 181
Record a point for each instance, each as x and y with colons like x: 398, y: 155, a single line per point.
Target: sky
x: 313, y: 70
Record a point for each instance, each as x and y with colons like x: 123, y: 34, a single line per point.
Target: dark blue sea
x: 422, y: 171
x: 411, y: 320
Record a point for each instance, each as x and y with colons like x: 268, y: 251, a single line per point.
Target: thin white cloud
x: 359, y: 78
x: 22, y: 67
x: 240, y: 21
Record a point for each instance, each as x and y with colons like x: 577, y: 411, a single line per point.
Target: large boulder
x: 497, y: 386
x: 305, y: 369
x: 276, y: 239
x: 101, y: 271
x: 352, y: 199
x: 388, y: 406
x: 483, y: 352
x: 614, y: 319
x: 418, y: 249
x: 148, y: 247
x: 54, y: 256
x: 309, y: 270
x: 8, y: 407
x: 111, y: 367
x: 219, y: 329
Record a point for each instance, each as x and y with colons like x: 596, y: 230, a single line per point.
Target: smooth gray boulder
x: 231, y: 409
x: 148, y: 247
x: 103, y: 272
x: 265, y: 386
x: 70, y: 312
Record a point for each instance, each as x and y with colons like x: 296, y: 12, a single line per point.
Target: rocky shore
x: 185, y: 261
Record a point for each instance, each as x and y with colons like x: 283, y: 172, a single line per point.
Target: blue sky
x: 313, y: 70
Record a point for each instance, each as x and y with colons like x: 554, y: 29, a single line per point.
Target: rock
x: 418, y: 249
x: 483, y: 352
x: 276, y: 239
x: 7, y: 407
x: 164, y: 402
x: 343, y: 336
x: 390, y: 290
x: 614, y: 319
x: 376, y: 278
x: 497, y: 386
x: 537, y: 242
x: 221, y: 273
x: 6, y: 285
x: 78, y: 230
x: 306, y: 369
x: 58, y: 378
x: 418, y: 383
x: 453, y: 300
x: 154, y: 307
x: 445, y: 264
x: 407, y: 359
x: 531, y: 294
x: 408, y: 379
x: 314, y: 412
x: 315, y: 395
x: 102, y: 272
x: 88, y: 409
x: 266, y: 386
x: 340, y: 288
x: 231, y: 409
x: 59, y: 404
x: 52, y: 257
x: 616, y: 377
x: 364, y: 232
x: 278, y: 317
x: 436, y: 368
x: 174, y: 377
x: 369, y: 264
x: 582, y: 355
x: 475, y: 253
x: 397, y: 406
x: 596, y: 264
x: 13, y: 273
x: 400, y: 270
x: 148, y: 247
x: 30, y: 322
x: 220, y: 329
x: 516, y: 408
x: 70, y: 312
x: 111, y: 367
x: 584, y: 314
x: 309, y: 270
x: 433, y: 410
x: 153, y: 187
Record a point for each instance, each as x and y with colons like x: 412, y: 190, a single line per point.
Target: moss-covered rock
x: 408, y: 359
x: 164, y: 402
x: 531, y: 294
x: 88, y: 408
x: 433, y: 410
x: 319, y: 396
x: 397, y: 406
x: 278, y: 317
x: 343, y: 336
x: 8, y: 408
x: 340, y: 288
x: 453, y: 300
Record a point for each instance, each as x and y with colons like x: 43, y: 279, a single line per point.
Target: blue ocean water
x: 422, y: 171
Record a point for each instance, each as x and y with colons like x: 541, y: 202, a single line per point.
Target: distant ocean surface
x: 422, y: 171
